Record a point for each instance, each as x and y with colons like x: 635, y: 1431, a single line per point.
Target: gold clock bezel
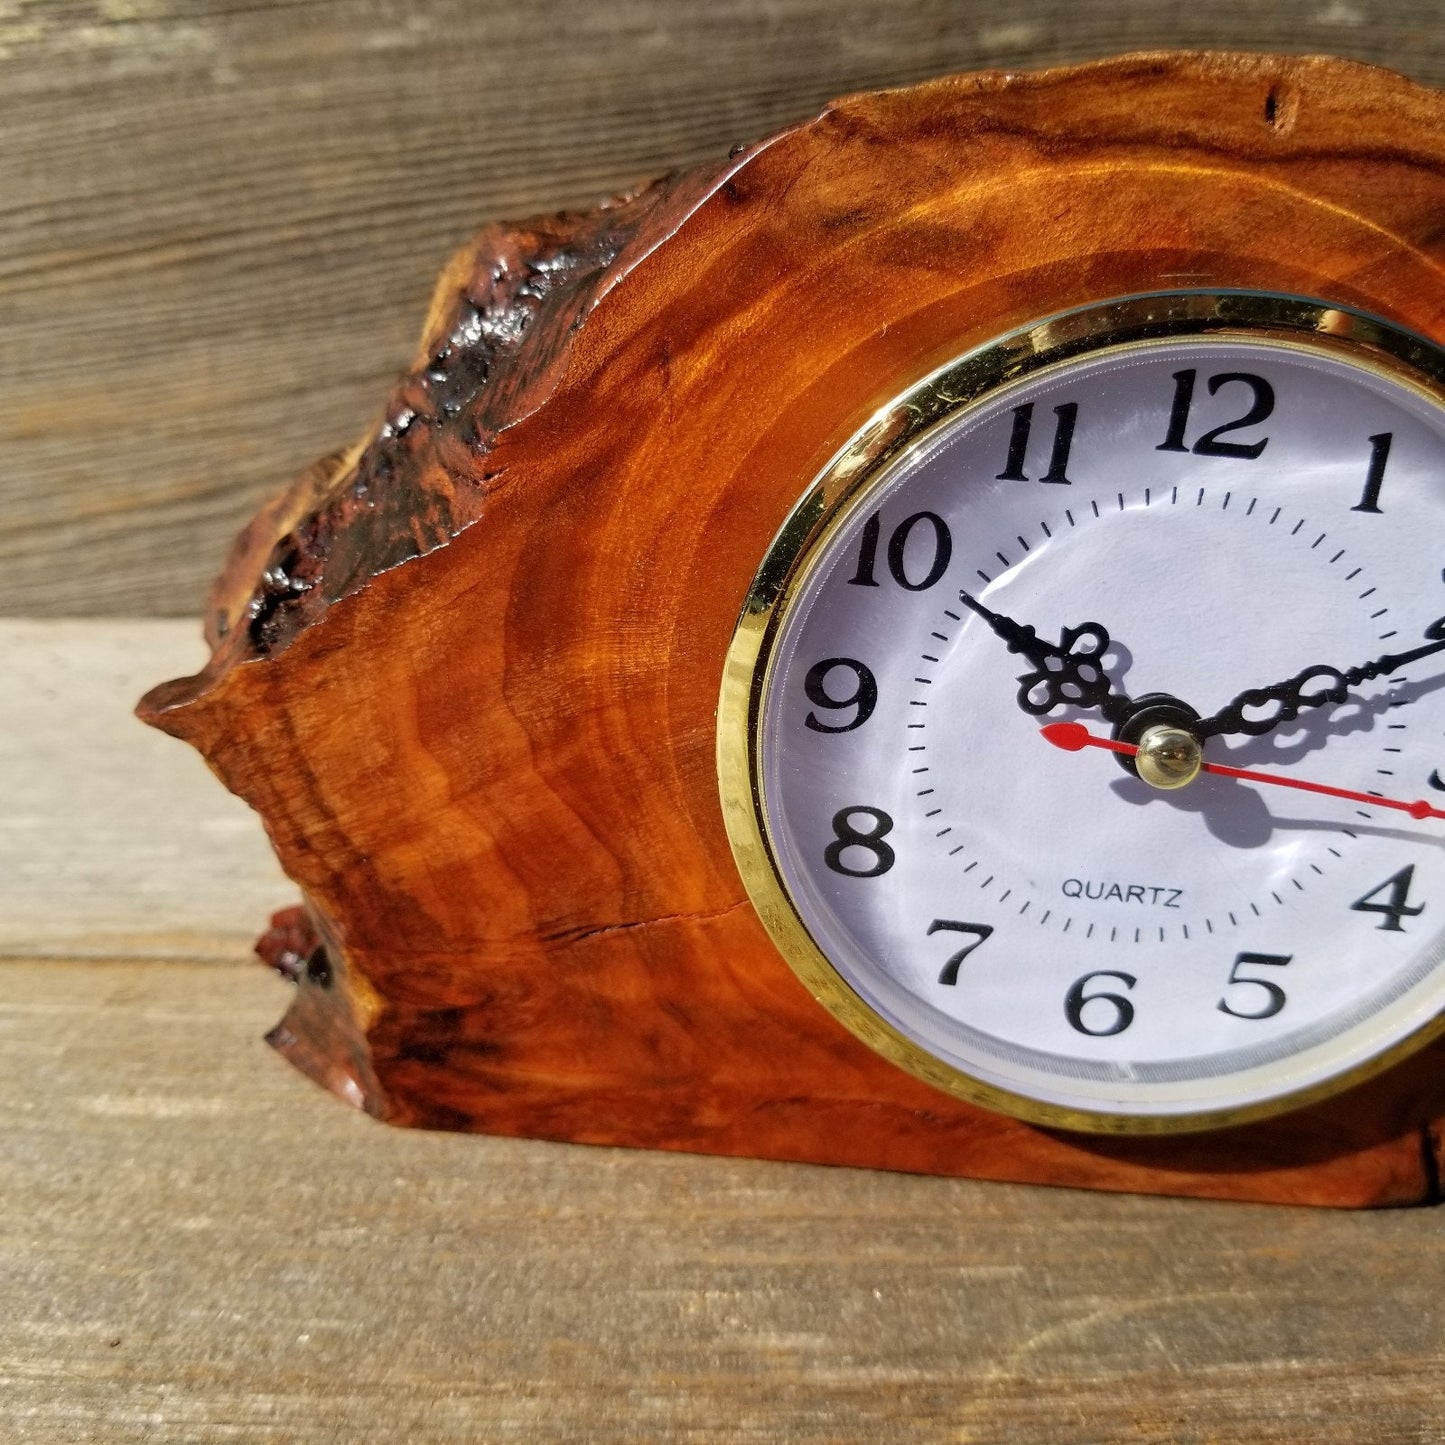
x: 830, y: 500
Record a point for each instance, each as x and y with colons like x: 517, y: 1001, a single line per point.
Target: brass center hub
x: 1168, y: 757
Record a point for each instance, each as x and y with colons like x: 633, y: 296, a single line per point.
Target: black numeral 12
x: 1018, y: 445
x: 1209, y: 444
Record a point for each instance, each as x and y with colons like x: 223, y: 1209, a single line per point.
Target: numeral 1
x: 1379, y: 455
x: 1018, y: 445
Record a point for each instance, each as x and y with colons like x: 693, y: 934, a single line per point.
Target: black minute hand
x: 1068, y: 673
x: 1314, y: 687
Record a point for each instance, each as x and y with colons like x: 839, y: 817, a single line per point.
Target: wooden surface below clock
x: 197, y: 1246
x: 468, y: 674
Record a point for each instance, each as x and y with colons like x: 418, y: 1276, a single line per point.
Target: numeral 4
x: 1397, y: 905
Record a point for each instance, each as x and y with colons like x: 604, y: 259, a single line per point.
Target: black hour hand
x: 1069, y: 673
x: 1314, y: 687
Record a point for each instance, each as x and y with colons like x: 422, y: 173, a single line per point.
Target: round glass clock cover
x: 1215, y: 514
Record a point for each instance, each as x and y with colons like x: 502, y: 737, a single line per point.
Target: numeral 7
x: 941, y: 925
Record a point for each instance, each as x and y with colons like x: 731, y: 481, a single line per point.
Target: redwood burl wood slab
x: 467, y: 671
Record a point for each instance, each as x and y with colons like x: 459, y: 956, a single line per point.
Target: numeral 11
x: 1013, y: 470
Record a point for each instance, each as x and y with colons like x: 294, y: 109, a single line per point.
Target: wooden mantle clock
x: 921, y: 645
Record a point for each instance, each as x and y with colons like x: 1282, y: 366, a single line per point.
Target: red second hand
x: 1073, y: 737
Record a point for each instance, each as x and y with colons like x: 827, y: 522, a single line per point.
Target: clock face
x: 1218, y: 515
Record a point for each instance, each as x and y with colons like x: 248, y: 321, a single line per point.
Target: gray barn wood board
x: 219, y: 224
x: 198, y: 1246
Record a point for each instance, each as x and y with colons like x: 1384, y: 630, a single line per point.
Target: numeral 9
x: 864, y: 696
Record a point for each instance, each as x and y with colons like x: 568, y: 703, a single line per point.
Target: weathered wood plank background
x: 197, y: 1246
x: 114, y: 841
x: 219, y: 223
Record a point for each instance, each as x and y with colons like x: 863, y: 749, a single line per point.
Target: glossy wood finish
x: 467, y: 672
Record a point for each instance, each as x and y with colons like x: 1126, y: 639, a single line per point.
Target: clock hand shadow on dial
x: 1238, y: 814
x: 1235, y: 813
x: 1313, y: 730
x: 1232, y: 812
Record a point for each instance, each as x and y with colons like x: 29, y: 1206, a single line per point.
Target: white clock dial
x: 1042, y: 927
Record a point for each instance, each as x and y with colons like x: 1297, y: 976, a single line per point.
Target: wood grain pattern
x: 196, y: 1247
x: 468, y: 673
x: 221, y: 222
